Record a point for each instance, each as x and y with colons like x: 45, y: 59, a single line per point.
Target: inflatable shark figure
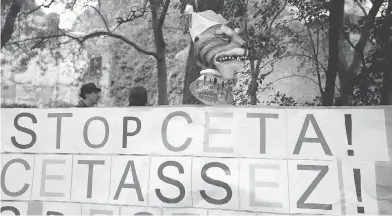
x: 220, y: 52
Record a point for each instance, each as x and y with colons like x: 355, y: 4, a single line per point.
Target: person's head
x: 138, y: 96
x: 90, y: 93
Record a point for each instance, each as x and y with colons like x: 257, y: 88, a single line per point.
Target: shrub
x: 17, y: 106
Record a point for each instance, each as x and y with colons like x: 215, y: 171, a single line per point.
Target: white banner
x: 191, y: 161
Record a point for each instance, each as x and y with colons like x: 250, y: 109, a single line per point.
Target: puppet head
x: 220, y: 52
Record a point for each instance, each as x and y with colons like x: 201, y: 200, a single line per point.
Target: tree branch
x: 276, y: 15
x: 38, y: 44
x: 262, y: 54
x: 81, y: 40
x: 163, y: 14
x: 294, y: 55
x: 363, y: 60
x: 9, y: 24
x: 268, y: 35
x: 365, y: 34
x: 99, y: 4
x: 103, y: 18
x: 124, y: 39
x: 361, y: 6
x: 268, y: 31
x: 263, y: 76
x: 132, y: 15
x: 39, y: 7
x: 302, y: 76
x: 318, y: 64
x: 315, y: 54
x: 348, y: 40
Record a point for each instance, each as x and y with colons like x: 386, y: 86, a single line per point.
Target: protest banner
x: 194, y: 161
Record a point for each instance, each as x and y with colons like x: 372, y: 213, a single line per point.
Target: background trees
x: 334, y: 37
x: 157, y: 10
x: 339, y: 51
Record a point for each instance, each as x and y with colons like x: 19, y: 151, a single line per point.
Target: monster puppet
x: 220, y: 52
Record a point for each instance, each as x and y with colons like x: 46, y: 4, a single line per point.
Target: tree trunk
x: 192, y: 69
x: 162, y: 82
x: 161, y: 51
x: 253, y: 85
x: 349, y: 75
x: 335, y: 23
x: 386, y: 93
x: 255, y: 66
x: 8, y: 28
x: 161, y: 67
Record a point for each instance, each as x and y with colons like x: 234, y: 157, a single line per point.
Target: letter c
x: 164, y: 131
x: 3, y: 172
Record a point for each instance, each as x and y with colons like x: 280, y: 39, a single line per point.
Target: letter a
x: 320, y: 137
x: 135, y: 184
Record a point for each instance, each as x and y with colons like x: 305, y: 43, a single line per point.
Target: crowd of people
x: 90, y: 93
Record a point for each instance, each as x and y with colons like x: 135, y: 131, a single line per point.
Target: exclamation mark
x: 357, y: 179
x: 348, y: 122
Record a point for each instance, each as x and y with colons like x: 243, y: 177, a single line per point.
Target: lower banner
x: 196, y: 161
x: 76, y: 184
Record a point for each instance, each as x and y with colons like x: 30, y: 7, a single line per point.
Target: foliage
x: 271, y: 31
x: 109, y: 21
x: 370, y: 83
x: 302, y: 33
x: 21, y: 54
x: 375, y: 85
x: 275, y: 31
x: 61, y: 104
x: 131, y: 68
x: 17, y: 106
x: 281, y: 99
x: 256, y: 20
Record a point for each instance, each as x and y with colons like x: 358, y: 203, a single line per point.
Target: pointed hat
x: 199, y: 22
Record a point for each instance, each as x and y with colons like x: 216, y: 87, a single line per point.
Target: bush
x: 58, y: 104
x: 17, y: 106
x: 61, y: 104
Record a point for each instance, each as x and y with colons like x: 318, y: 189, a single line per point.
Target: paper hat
x: 199, y: 22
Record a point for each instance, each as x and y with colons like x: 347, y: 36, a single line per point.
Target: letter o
x: 105, y: 140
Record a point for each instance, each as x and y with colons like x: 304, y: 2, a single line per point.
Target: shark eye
x: 196, y: 39
x: 226, y: 38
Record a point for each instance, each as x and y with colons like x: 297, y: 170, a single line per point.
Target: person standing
x: 138, y: 96
x: 89, y: 94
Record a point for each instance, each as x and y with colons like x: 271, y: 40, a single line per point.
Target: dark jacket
x: 81, y: 105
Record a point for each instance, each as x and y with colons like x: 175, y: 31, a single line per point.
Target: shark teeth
x: 231, y: 58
